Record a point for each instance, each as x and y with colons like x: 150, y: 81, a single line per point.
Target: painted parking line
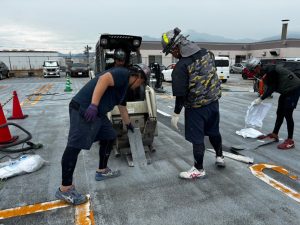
x: 35, y: 98
x: 164, y: 96
x: 163, y: 113
x: 83, y: 213
x: 257, y: 170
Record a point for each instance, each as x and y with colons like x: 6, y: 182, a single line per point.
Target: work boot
x: 71, y: 196
x: 220, y: 162
x: 271, y: 135
x: 193, y: 173
x: 287, y: 144
x: 108, y: 173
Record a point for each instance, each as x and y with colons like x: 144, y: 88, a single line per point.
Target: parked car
x: 51, y: 68
x: 79, y: 70
x: 4, y: 71
x: 167, y: 72
x: 237, y: 68
x: 222, y: 66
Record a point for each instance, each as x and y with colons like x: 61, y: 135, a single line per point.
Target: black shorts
x: 289, y: 100
x: 200, y: 122
x: 82, y: 134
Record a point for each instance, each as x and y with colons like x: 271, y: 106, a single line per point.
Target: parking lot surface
x: 152, y: 194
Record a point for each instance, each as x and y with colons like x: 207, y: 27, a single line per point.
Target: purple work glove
x: 130, y: 127
x: 91, y: 113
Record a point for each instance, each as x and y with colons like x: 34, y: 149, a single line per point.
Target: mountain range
x: 204, y: 37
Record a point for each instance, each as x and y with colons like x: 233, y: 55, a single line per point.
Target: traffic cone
x: 5, y: 136
x: 68, y: 85
x: 69, y: 79
x: 16, y: 109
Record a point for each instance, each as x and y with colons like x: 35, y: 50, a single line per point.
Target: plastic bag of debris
x: 249, y: 133
x: 256, y: 114
x: 25, y: 164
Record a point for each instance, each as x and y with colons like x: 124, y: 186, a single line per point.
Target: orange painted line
x: 83, y: 214
x: 44, y: 89
x: 38, y: 98
x: 92, y: 217
x: 31, y: 209
x: 27, y: 100
x: 257, y: 170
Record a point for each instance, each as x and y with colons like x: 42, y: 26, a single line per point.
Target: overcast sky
x: 69, y: 25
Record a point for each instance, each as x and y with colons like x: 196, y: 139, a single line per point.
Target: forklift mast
x: 109, y: 42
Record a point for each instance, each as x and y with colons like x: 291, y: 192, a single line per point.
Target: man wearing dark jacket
x: 197, y: 88
x: 279, y: 79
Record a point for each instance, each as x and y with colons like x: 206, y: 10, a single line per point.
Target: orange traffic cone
x: 5, y: 136
x: 16, y: 111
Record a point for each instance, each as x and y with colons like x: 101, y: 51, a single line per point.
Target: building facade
x: 151, y: 51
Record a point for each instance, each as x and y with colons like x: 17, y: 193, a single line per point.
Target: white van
x: 222, y: 65
x: 51, y: 68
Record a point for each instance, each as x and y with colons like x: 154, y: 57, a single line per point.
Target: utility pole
x: 87, y: 53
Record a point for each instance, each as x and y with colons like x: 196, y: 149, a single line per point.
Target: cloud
x: 13, y: 36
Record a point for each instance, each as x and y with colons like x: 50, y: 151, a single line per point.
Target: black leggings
x: 286, y: 113
x: 199, y: 149
x: 69, y: 160
x: 286, y: 105
x: 104, y: 152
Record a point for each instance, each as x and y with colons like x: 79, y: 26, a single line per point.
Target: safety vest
x: 204, y: 85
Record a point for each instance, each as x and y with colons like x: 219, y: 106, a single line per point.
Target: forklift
x: 141, y: 103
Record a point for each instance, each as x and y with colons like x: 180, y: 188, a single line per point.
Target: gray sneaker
x: 71, y: 196
x: 108, y: 173
x: 220, y: 162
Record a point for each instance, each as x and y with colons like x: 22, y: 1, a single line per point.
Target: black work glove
x: 130, y: 127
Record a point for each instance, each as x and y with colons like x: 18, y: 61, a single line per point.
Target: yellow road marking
x: 83, y: 213
x: 165, y: 96
x: 31, y: 209
x: 33, y: 99
x: 47, y: 88
x: 257, y: 170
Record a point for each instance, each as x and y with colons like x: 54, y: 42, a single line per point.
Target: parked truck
x: 51, y: 68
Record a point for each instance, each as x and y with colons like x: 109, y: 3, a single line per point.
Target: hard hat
x: 170, y: 39
x: 143, y: 69
x: 252, y: 63
x: 120, y: 54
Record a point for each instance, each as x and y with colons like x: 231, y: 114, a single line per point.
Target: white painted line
x: 239, y: 158
x: 163, y: 113
x: 171, y: 107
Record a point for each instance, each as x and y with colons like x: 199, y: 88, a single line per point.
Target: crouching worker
x: 89, y: 123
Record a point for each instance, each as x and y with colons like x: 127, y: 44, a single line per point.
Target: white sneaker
x: 220, y: 162
x: 193, y: 173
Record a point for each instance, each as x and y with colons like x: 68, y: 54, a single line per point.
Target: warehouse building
x: 288, y: 48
